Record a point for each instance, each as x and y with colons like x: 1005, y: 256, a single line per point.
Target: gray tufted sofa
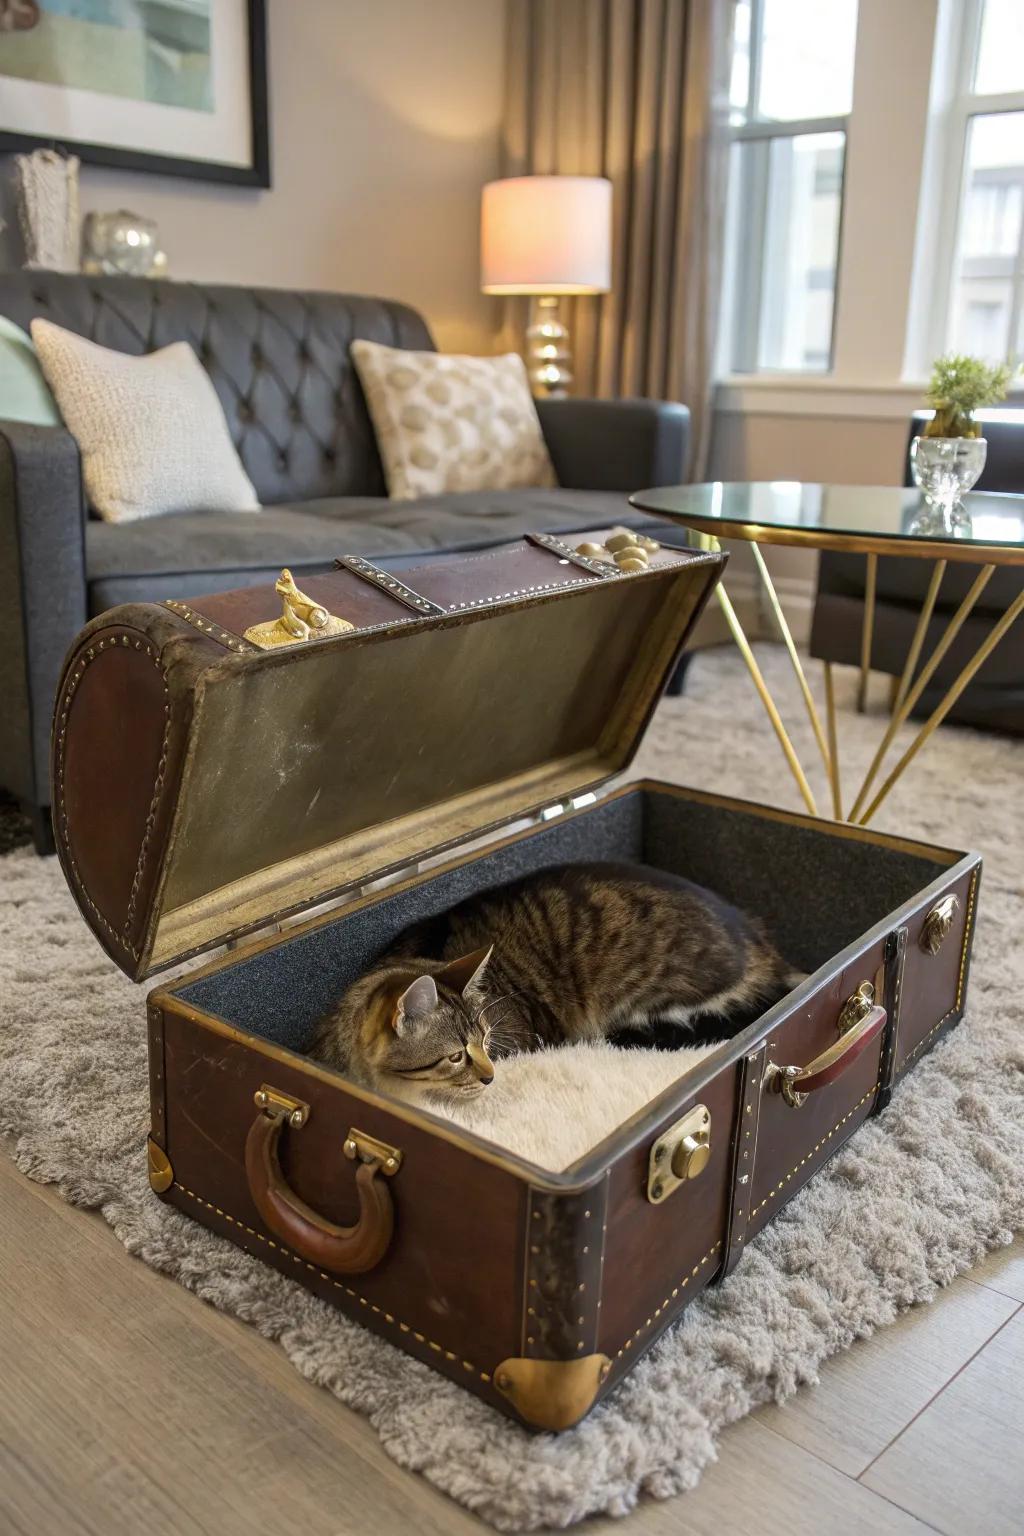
x: 280, y: 364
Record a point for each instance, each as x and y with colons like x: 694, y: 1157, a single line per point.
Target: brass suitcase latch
x: 937, y: 924
x: 680, y: 1153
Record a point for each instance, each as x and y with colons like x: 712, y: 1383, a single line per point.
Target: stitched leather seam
x: 816, y: 1148
x: 68, y: 693
x: 683, y: 1283
x: 388, y: 1317
x: 919, y: 1047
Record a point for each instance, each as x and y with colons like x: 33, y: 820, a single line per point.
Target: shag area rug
x: 918, y: 1196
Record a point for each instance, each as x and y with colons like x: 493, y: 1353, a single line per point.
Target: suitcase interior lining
x: 817, y: 891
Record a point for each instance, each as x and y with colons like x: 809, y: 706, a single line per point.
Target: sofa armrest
x: 616, y: 445
x: 42, y: 553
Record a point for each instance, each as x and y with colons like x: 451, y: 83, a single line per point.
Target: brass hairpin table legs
x: 907, y: 692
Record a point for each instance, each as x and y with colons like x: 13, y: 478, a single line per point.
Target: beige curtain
x: 634, y: 90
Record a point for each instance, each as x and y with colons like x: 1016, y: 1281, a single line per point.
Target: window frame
x: 963, y: 104
x: 743, y: 268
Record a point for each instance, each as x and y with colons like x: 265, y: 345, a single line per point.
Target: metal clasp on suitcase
x: 680, y: 1153
x: 937, y: 924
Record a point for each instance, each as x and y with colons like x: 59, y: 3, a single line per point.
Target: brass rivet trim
x: 682, y: 1283
x: 919, y: 1047
x: 421, y: 1338
x: 233, y: 642
x: 816, y: 1148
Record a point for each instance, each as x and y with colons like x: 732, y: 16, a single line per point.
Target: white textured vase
x: 47, y: 193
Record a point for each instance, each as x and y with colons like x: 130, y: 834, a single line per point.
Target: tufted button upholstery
x: 279, y: 362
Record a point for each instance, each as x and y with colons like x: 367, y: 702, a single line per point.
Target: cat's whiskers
x: 504, y: 998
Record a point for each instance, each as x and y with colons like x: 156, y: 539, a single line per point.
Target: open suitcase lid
x: 204, y: 787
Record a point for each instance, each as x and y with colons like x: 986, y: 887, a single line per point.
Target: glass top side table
x: 872, y: 520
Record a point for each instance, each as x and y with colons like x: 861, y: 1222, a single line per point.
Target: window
x: 984, y: 311
x: 790, y: 95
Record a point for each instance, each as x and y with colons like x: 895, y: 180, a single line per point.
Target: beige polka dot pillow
x: 452, y: 423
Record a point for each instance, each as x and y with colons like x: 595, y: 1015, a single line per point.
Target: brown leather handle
x: 345, y: 1250
x: 795, y: 1083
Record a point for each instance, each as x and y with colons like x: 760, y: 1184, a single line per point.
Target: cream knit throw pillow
x: 151, y: 430
x: 452, y: 423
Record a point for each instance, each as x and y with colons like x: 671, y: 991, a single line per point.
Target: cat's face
x: 432, y: 1047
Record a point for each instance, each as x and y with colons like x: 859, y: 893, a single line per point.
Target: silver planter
x: 944, y: 470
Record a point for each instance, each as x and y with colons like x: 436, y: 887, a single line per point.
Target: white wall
x: 384, y: 123
x: 773, y: 444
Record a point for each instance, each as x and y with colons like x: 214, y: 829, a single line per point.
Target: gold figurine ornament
x: 629, y: 551
x: 301, y: 619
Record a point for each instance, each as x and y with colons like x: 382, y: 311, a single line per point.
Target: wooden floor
x: 127, y: 1406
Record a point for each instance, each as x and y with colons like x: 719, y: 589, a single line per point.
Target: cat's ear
x: 466, y: 972
x: 418, y: 999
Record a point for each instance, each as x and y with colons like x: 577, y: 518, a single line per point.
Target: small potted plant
x: 948, y: 457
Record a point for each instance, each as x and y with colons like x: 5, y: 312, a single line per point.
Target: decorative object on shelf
x: 18, y: 15
x: 947, y: 459
x: 68, y: 74
x: 302, y: 618
x: 629, y: 551
x: 547, y: 236
x: 46, y: 187
x: 122, y: 244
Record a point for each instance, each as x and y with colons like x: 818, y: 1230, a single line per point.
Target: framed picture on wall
x: 174, y: 86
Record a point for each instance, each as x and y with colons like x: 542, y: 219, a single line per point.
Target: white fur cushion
x: 452, y: 423
x: 552, y: 1106
x: 151, y: 430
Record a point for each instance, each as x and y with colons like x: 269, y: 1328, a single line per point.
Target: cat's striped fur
x: 580, y: 952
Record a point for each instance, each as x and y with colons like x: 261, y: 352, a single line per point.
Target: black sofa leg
x: 42, y: 829
x: 677, y: 682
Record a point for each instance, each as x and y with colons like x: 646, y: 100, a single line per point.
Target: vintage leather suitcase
x: 462, y: 733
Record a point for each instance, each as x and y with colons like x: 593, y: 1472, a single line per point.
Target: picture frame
x: 221, y: 135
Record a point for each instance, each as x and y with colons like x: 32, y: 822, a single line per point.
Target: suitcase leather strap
x: 388, y: 583
x: 564, y: 551
x: 895, y: 958
x: 744, y: 1157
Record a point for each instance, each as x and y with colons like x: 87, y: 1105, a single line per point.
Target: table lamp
x: 546, y: 236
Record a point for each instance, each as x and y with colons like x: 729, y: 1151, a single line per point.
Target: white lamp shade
x: 546, y: 235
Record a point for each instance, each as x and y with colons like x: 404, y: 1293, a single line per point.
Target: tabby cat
x: 581, y: 952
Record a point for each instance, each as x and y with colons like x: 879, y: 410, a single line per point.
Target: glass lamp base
x: 548, y: 355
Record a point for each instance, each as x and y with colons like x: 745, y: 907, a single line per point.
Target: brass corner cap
x: 161, y: 1174
x: 552, y: 1394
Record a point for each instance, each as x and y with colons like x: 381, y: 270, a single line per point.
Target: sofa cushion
x: 196, y: 553
x: 150, y: 430
x: 446, y: 423
x: 24, y: 393
x: 279, y: 362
